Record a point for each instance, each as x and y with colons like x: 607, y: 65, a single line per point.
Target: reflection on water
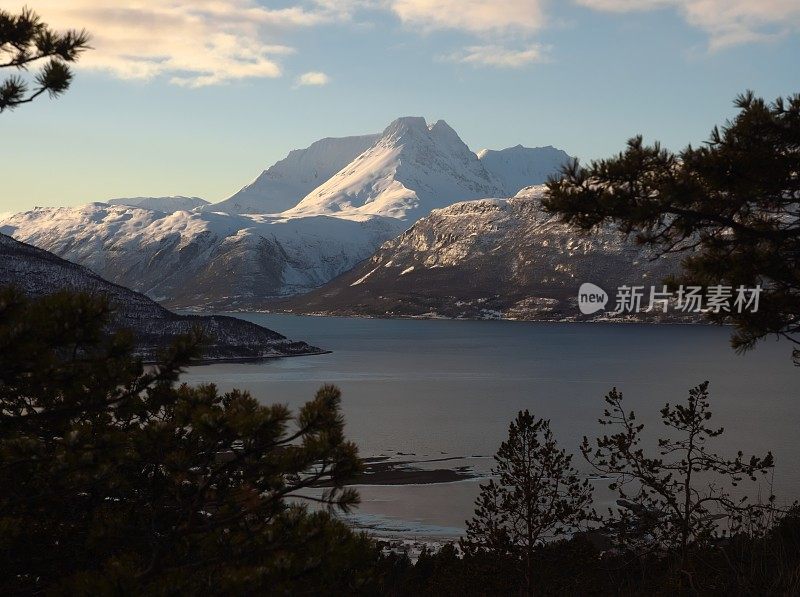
x: 434, y: 389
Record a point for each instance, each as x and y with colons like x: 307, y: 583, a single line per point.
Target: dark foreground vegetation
x: 744, y: 565
x: 117, y: 480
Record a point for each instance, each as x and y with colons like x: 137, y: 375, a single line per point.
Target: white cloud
x: 625, y: 5
x: 474, y: 16
x: 313, y: 78
x: 492, y: 22
x: 500, y: 56
x: 205, y: 42
x: 727, y: 22
x: 193, y: 42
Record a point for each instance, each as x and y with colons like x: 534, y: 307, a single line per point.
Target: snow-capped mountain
x: 282, y: 185
x: 487, y: 258
x: 403, y: 173
x: 412, y: 169
x: 164, y: 204
x: 346, y: 197
x: 519, y: 167
x: 37, y: 273
x: 203, y: 259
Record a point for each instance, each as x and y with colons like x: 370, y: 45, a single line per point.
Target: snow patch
x: 364, y: 277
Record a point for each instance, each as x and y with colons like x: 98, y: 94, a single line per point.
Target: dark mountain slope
x: 489, y: 258
x: 37, y: 272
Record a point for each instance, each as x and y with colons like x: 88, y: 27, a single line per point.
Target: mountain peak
x: 285, y: 183
x: 441, y: 125
x: 519, y: 167
x: 412, y: 169
x: 414, y: 122
x: 443, y: 132
x: 403, y: 172
x: 404, y: 128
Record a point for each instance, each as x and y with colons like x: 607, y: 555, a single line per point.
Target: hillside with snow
x: 519, y: 167
x: 163, y: 204
x: 38, y: 273
x: 488, y: 258
x: 203, y: 259
x: 412, y: 169
x: 282, y: 185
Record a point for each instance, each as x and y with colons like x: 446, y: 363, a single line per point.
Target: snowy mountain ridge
x: 203, y: 259
x: 403, y: 172
x: 519, y: 167
x: 413, y: 168
x: 163, y: 204
x: 283, y: 184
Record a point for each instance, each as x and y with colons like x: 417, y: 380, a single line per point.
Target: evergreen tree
x: 116, y: 480
x: 538, y: 495
x: 25, y: 40
x: 676, y: 499
x: 730, y: 206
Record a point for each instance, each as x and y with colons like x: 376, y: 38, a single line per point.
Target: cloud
x: 727, y: 22
x: 473, y: 16
x: 626, y: 5
x: 193, y: 42
x: 500, y: 56
x: 490, y: 22
x: 313, y: 78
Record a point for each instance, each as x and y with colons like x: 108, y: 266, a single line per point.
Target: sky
x: 197, y: 97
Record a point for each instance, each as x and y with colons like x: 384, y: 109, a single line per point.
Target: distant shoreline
x: 203, y: 362
x: 436, y: 317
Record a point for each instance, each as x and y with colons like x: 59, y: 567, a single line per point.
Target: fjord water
x: 433, y: 389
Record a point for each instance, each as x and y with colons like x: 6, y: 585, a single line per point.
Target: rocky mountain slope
x: 37, y: 273
x: 205, y: 260
x: 282, y: 185
x: 485, y: 259
x: 164, y: 204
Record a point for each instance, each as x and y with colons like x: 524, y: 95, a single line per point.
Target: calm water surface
x: 438, y: 389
